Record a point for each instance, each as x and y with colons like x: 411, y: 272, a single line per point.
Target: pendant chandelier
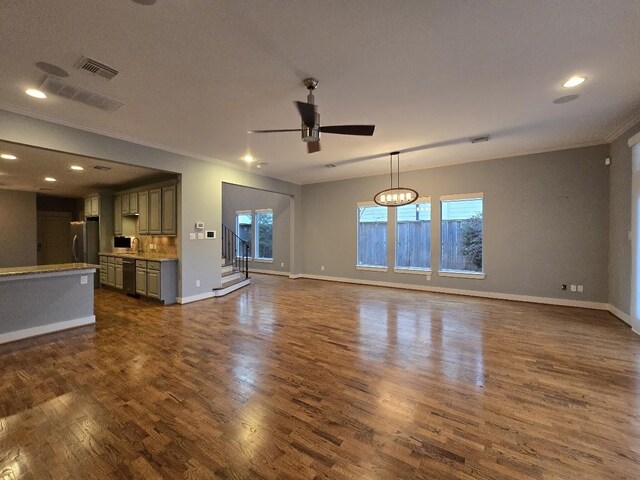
x: 395, y: 196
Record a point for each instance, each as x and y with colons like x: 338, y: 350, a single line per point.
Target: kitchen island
x: 45, y: 298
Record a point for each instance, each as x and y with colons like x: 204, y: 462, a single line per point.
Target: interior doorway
x: 53, y: 238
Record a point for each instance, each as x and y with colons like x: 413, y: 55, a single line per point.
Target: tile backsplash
x: 157, y: 244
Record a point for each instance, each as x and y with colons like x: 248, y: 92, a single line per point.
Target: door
x: 76, y: 246
x: 141, y: 281
x: 143, y: 213
x: 169, y: 210
x: 155, y: 211
x: 53, y: 238
x: 117, y: 215
x: 153, y: 284
x: 111, y: 275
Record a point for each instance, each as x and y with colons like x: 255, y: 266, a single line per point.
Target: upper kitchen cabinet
x: 155, y: 211
x: 117, y: 215
x: 143, y: 212
x: 169, y: 216
x: 129, y: 203
x: 92, y: 206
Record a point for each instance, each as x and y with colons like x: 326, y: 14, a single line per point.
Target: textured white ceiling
x: 195, y: 75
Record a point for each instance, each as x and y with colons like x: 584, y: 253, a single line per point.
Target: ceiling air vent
x: 101, y: 167
x: 483, y: 138
x: 96, y: 68
x: 55, y: 86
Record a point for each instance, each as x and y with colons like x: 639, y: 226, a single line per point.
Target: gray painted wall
x: 200, y: 188
x: 620, y: 221
x: 235, y: 198
x: 18, y: 229
x: 546, y: 223
x: 34, y: 302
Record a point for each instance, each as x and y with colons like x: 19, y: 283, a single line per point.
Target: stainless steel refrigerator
x: 85, y: 244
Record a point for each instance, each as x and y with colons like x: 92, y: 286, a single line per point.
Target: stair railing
x: 235, y: 251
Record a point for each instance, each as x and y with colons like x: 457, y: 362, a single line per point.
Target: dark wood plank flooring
x: 302, y: 379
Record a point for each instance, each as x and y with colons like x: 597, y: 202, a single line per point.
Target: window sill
x: 458, y: 274
x: 414, y: 271
x: 248, y: 258
x: 263, y: 260
x: 371, y: 268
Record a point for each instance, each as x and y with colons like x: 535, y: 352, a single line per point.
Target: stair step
x: 231, y: 287
x: 227, y: 269
x: 231, y: 277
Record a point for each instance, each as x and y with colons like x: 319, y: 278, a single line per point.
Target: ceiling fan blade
x: 307, y: 112
x: 366, y: 130
x: 275, y: 131
x: 313, y: 147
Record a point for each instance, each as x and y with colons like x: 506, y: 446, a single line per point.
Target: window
x: 264, y: 235
x: 372, y: 236
x: 461, y: 234
x: 413, y: 236
x: 243, y: 229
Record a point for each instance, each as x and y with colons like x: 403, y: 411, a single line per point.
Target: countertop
x: 142, y: 256
x: 37, y: 269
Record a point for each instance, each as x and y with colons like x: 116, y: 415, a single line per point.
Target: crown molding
x: 623, y: 127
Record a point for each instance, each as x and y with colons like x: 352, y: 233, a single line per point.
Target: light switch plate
x: 200, y: 236
x: 199, y: 225
x: 192, y: 236
x: 84, y: 280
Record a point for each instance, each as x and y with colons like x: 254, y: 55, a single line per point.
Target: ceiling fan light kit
x: 311, y: 129
x: 395, y: 196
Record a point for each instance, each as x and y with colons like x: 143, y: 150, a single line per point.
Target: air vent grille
x: 96, y: 68
x: 101, y: 167
x: 55, y: 86
x: 483, y: 138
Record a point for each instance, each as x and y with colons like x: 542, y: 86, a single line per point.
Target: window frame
x: 250, y: 213
x: 443, y: 272
x: 256, y: 239
x: 413, y: 270
x: 371, y: 268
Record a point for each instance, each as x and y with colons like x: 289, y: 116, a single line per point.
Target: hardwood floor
x: 314, y: 380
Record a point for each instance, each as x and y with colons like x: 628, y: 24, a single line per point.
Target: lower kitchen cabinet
x: 157, y: 280
x: 111, y: 275
x: 118, y: 283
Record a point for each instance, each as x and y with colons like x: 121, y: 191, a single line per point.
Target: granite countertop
x: 156, y: 257
x: 35, y: 269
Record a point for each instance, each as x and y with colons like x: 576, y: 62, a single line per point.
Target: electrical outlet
x: 322, y: 268
x: 84, y: 280
x: 574, y: 288
x: 197, y: 283
x: 281, y: 264
x: 563, y: 287
x: 428, y: 278
x: 580, y: 289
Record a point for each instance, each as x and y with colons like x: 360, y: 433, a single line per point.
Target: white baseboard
x: 620, y: 314
x: 231, y: 288
x: 194, y: 298
x: 470, y: 293
x: 269, y: 272
x: 41, y: 330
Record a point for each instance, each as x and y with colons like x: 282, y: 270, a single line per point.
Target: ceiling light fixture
x: 32, y: 92
x: 8, y: 156
x: 574, y: 82
x: 77, y: 168
x: 49, y: 179
x: 248, y: 158
x: 395, y: 196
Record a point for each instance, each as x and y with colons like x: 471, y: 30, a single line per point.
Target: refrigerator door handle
x: 75, y: 248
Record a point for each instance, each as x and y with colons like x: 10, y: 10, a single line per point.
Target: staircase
x: 234, y: 262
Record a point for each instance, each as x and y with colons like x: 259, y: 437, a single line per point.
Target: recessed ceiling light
x: 574, y: 82
x: 49, y: 179
x: 77, y: 168
x: 8, y: 156
x: 32, y: 92
x: 248, y: 158
x: 261, y: 164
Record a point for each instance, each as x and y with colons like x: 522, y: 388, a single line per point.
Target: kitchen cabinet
x: 92, y: 206
x: 133, y: 203
x: 169, y: 210
x: 157, y: 280
x: 117, y: 215
x: 155, y: 211
x: 143, y: 213
x: 111, y: 274
x: 118, y: 280
x: 124, y: 204
x: 141, y: 280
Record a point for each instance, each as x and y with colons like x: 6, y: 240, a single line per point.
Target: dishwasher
x: 129, y: 276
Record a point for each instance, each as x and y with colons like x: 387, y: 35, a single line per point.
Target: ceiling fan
x: 311, y: 128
